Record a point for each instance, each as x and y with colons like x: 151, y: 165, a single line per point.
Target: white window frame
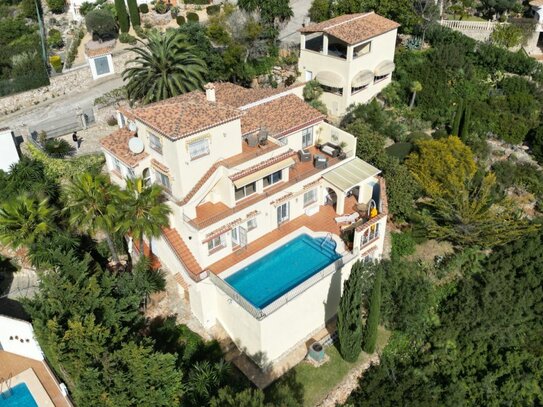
x: 155, y: 143
x: 283, y: 215
x: 273, y: 178
x: 312, y: 194
x: 198, y: 148
x: 160, y: 177
x: 216, y: 243
x: 307, y: 137
x: 117, y: 165
x: 244, y: 188
x: 251, y: 224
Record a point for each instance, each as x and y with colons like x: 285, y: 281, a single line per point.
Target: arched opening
x: 351, y: 199
x: 146, y: 174
x: 331, y: 198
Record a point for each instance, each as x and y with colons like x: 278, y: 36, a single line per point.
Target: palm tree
x: 147, y: 213
x: 93, y: 205
x: 25, y: 220
x: 164, y: 67
x: 415, y: 87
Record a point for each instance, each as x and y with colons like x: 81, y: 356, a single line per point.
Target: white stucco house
x: 270, y: 208
x: 8, y: 150
x: 351, y: 56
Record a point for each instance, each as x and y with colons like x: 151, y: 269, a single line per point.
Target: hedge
x: 193, y: 17
x: 144, y: 8
x: 180, y: 20
x: 213, y: 10
x: 400, y: 150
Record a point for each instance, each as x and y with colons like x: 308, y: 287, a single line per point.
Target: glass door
x: 235, y: 236
x: 282, y: 213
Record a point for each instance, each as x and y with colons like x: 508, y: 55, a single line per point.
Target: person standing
x: 76, y: 140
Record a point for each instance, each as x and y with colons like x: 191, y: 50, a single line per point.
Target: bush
x: 56, y: 6
x: 111, y: 121
x: 213, y: 10
x: 400, y: 150
x: 58, y: 148
x: 134, y: 13
x: 139, y: 31
x: 101, y: 24
x: 144, y: 8
x: 122, y: 16
x: 440, y: 133
x: 197, y: 2
x: 72, y: 53
x: 56, y: 63
x: 403, y: 244
x: 161, y: 7
x: 54, y: 38
x: 126, y: 38
x: 193, y: 17
x: 418, y: 135
x: 180, y: 20
x: 174, y: 11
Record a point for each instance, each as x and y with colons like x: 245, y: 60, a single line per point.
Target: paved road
x: 289, y: 33
x: 60, y: 109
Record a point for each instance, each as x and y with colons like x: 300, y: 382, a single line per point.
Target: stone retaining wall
x: 76, y: 80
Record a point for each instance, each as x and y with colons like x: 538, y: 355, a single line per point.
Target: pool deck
x: 322, y: 221
x: 12, y: 365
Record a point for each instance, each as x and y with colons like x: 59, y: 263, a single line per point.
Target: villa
x: 270, y: 208
x: 351, y: 56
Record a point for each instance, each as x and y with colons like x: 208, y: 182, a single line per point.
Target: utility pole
x: 42, y: 37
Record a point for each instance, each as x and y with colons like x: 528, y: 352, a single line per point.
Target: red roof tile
x: 182, y: 252
x: 117, y: 144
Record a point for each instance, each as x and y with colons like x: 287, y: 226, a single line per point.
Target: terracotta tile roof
x: 280, y: 116
x: 200, y: 183
x: 353, y: 28
x: 238, y: 96
x: 536, y: 3
x: 181, y: 116
x: 262, y: 165
x: 182, y: 252
x: 159, y: 166
x: 117, y: 144
x: 126, y: 111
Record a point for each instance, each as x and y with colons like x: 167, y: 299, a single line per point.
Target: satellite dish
x: 132, y: 127
x: 135, y: 145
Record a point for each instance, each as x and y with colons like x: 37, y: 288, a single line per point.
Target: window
x: 216, y: 243
x: 102, y: 66
x: 117, y: 165
x: 273, y: 178
x: 131, y: 173
x: 146, y: 174
x: 163, y: 180
x: 335, y: 91
x: 307, y: 137
x: 362, y: 49
x: 155, y: 142
x: 308, y: 76
x: 235, y: 236
x: 310, y: 197
x: 358, y: 89
x: 244, y: 191
x: 380, y: 78
x: 199, y: 148
x: 251, y: 224
x: 282, y: 213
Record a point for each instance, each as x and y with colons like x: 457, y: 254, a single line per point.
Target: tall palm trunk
x: 412, y: 103
x: 112, y: 249
x: 142, y: 251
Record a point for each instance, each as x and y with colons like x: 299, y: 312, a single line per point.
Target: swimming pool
x: 273, y: 275
x: 18, y: 396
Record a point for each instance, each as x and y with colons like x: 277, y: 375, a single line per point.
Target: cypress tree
x: 349, y: 321
x: 464, y: 129
x: 122, y: 15
x: 134, y: 13
x: 457, y: 119
x: 370, y: 333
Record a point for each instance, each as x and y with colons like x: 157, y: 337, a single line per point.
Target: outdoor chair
x: 320, y: 162
x: 304, y: 155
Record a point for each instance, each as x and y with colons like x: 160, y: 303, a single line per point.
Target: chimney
x: 210, y: 92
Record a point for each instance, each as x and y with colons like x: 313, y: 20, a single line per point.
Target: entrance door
x: 282, y: 213
x: 235, y: 236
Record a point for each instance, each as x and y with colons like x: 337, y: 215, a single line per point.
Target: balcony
x: 250, y: 153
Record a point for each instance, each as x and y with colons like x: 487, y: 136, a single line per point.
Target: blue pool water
x: 278, y: 272
x: 19, y: 396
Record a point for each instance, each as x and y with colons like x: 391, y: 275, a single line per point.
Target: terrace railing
x: 260, y: 314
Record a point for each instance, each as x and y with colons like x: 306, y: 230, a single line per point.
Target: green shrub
x: 54, y: 38
x: 126, y: 38
x: 86, y: 7
x: 193, y: 17
x: 440, y: 133
x: 101, y: 24
x: 180, y: 20
x: 213, y: 10
x: 139, y: 31
x: 198, y: 2
x: 403, y: 244
x: 400, y: 150
x: 374, y: 314
x: 56, y: 6
x: 134, y: 13
x: 111, y: 121
x: 144, y: 8
x: 174, y: 11
x: 122, y: 16
x: 418, y: 135
x: 161, y: 7
x: 56, y: 63
x: 58, y: 148
x: 72, y: 53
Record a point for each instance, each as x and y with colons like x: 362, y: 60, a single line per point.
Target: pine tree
x: 457, y: 119
x: 134, y: 13
x: 370, y: 333
x: 122, y: 15
x: 349, y: 321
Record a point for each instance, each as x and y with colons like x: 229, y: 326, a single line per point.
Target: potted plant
x: 175, y: 11
x: 318, y: 143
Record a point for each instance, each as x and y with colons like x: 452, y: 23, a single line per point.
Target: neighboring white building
x: 99, y: 58
x: 352, y: 56
x: 8, y: 150
x: 243, y: 176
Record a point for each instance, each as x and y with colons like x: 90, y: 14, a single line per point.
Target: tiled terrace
x: 322, y: 221
x: 209, y: 213
x: 248, y: 153
x: 12, y: 364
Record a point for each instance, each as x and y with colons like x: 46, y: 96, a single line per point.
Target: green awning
x: 350, y: 174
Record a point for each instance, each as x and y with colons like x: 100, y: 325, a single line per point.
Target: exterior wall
x: 8, y: 151
x: 382, y: 49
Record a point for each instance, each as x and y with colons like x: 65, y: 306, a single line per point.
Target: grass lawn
x: 318, y: 381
